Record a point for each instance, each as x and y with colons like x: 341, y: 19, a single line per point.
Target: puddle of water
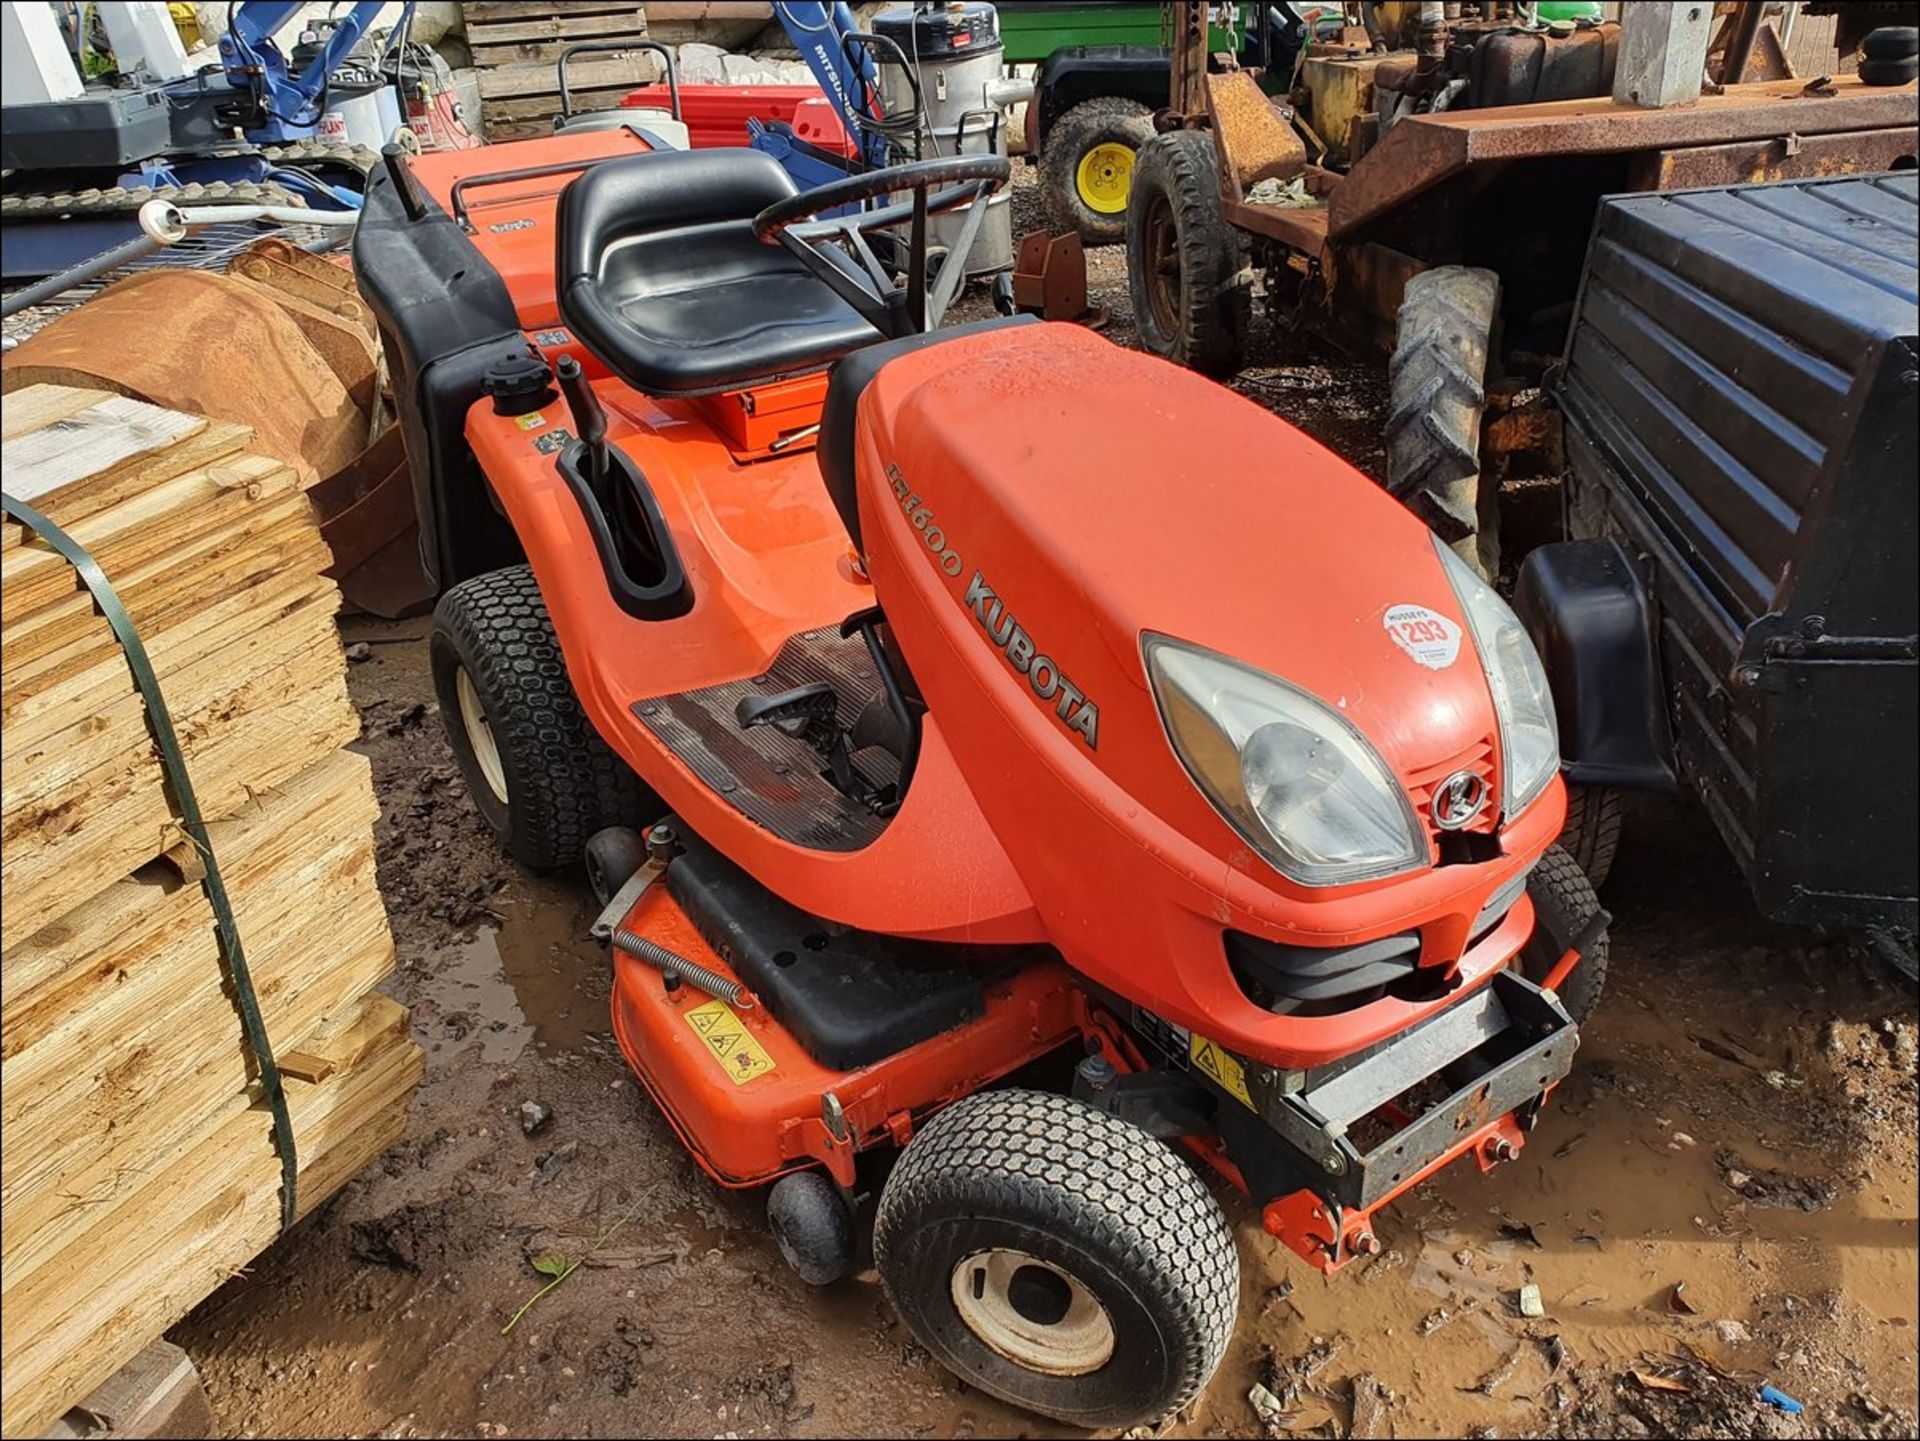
x: 470, y: 991
x: 536, y: 979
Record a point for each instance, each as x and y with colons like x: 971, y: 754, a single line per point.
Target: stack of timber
x: 516, y: 49
x: 138, y: 1168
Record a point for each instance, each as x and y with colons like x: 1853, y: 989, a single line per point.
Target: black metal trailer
x: 1737, y: 608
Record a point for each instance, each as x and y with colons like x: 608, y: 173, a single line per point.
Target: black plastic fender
x: 1074, y: 73
x: 445, y: 320
x: 1586, y: 607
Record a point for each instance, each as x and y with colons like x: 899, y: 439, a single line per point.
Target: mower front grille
x: 1477, y: 758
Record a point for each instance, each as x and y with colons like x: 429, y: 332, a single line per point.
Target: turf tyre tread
x: 1059, y: 1167
x: 564, y: 783
x: 1595, y: 815
x: 1563, y: 900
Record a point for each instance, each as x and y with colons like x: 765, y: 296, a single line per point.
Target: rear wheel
x: 1592, y: 832
x: 1184, y: 262
x: 536, y: 768
x: 1563, y: 902
x: 1086, y: 166
x: 1058, y: 1258
x: 1436, y: 381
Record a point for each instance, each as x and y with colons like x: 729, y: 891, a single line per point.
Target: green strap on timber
x: 161, y: 724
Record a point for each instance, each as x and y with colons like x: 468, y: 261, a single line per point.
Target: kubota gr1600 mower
x: 1015, y: 703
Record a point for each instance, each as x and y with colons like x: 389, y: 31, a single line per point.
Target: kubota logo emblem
x: 1458, y: 799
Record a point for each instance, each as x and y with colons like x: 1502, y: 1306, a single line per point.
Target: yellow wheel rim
x: 1104, y: 177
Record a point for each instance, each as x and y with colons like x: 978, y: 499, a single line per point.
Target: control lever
x: 589, y: 422
x: 402, y: 178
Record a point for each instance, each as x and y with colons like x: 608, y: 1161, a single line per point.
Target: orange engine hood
x: 1099, y: 493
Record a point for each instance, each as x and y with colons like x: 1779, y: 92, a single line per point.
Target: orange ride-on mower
x: 1005, y: 709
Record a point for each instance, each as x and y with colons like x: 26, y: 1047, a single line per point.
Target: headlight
x: 1522, y: 703
x: 1290, y: 774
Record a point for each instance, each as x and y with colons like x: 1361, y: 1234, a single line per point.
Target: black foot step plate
x: 772, y: 778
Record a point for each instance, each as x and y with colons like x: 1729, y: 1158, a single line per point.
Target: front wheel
x: 1436, y: 382
x: 540, y: 774
x: 1059, y: 1259
x: 1592, y: 832
x: 1564, y: 901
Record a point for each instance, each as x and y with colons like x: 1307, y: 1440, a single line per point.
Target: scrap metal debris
x: 1497, y: 1377
x: 1370, y: 1400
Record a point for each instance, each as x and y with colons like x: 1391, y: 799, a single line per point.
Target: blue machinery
x: 80, y: 167
x: 840, y: 57
x: 284, y: 106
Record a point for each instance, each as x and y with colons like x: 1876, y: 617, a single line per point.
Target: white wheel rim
x: 473, y: 719
x: 1033, y: 1313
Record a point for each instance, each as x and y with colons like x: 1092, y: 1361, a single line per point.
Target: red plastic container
x: 717, y: 115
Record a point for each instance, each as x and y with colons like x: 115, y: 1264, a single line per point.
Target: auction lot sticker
x: 1426, y: 635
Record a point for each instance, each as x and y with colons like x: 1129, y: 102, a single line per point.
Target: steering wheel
x: 855, y: 272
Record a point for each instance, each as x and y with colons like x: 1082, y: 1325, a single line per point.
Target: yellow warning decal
x: 726, y: 1035
x: 532, y: 421
x: 1222, y: 1067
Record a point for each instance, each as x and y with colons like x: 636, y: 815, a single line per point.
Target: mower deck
x: 751, y: 1103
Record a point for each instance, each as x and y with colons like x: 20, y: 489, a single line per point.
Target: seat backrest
x: 659, y: 191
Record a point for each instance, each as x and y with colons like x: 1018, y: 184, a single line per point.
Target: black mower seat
x: 661, y: 276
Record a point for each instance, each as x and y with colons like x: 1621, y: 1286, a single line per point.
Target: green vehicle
x: 1103, y: 71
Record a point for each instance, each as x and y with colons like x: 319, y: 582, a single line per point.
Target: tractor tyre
x: 1059, y: 1259
x: 1436, y: 385
x: 1185, y: 264
x: 1086, y: 166
x: 1563, y: 902
x: 540, y: 774
x: 1592, y: 832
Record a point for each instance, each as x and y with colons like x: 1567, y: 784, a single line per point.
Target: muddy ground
x: 1723, y: 1194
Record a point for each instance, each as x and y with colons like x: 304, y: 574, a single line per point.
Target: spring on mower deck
x: 694, y: 974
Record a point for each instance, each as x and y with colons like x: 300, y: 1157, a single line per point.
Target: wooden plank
x: 658, y: 13
x: 499, y: 131
x: 91, y: 448
x: 35, y: 407
x: 545, y: 54
x: 484, y: 12
x: 640, y: 68
x: 545, y: 107
x: 150, y: 1256
x: 626, y: 22
x: 143, y: 529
